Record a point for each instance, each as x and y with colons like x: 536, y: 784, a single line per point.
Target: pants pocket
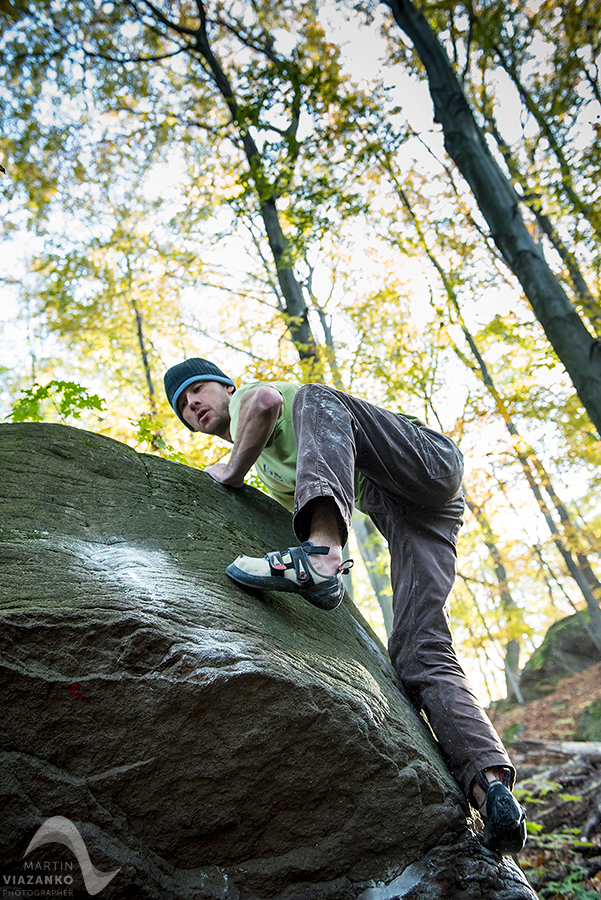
x: 442, y: 457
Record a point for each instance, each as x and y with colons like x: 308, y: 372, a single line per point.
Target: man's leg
x: 337, y: 433
x: 325, y: 531
x: 418, y: 506
x: 422, y: 554
x: 414, y: 497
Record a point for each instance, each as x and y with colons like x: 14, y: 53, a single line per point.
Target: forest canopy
x: 402, y: 203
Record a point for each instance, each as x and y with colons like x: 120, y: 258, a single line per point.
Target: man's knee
x: 311, y: 400
x: 310, y: 392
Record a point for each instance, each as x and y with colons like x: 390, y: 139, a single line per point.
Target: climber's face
x: 204, y: 406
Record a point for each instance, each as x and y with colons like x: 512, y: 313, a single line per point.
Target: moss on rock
x: 589, y: 723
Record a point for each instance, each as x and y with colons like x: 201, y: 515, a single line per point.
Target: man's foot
x: 504, y: 818
x: 291, y: 570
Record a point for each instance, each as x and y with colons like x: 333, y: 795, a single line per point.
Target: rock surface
x: 206, y: 742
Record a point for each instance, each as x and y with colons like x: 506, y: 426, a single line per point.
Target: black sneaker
x: 504, y: 819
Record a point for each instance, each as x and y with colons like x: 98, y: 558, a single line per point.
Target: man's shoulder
x: 286, y: 388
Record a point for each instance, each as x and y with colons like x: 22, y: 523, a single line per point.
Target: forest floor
x: 559, y: 783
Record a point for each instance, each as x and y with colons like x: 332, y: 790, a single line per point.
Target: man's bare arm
x: 260, y: 409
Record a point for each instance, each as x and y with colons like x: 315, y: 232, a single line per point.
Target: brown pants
x: 414, y: 497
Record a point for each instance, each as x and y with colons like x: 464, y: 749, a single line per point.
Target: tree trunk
x: 493, y: 640
x: 296, y: 313
x: 371, y: 547
x: 512, y: 647
x: 577, y: 349
x: 144, y: 356
x: 579, y: 568
x: 533, y: 201
x: 580, y: 206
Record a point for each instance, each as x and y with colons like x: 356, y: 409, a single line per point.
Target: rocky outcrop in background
x: 569, y: 646
x: 206, y: 742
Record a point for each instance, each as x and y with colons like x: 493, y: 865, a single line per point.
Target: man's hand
x: 219, y: 472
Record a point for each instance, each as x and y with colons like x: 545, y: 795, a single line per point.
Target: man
x: 320, y: 452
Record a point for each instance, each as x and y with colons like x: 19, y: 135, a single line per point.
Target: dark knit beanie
x: 177, y: 379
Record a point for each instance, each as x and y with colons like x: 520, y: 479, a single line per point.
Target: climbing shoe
x: 504, y: 819
x: 291, y: 570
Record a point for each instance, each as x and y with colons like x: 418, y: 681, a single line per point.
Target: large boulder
x: 204, y: 741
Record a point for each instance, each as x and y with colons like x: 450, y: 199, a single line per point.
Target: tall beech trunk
x: 510, y: 678
x: 550, y: 580
x: 296, y: 313
x: 576, y: 561
x: 582, y: 292
x: 371, y: 546
x: 577, y: 349
x: 512, y: 647
x: 580, y: 206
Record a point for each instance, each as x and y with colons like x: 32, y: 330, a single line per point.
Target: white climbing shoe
x: 291, y: 570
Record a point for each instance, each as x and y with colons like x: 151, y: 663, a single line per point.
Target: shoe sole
x: 505, y: 830
x: 510, y: 841
x: 279, y: 583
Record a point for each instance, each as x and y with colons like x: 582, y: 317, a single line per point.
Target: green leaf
x: 68, y: 397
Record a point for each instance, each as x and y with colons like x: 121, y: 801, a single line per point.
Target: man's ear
x: 230, y: 389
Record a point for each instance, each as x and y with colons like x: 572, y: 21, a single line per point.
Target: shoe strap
x: 310, y: 548
x: 344, y: 567
x: 276, y: 562
x: 300, y: 563
x: 300, y: 560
